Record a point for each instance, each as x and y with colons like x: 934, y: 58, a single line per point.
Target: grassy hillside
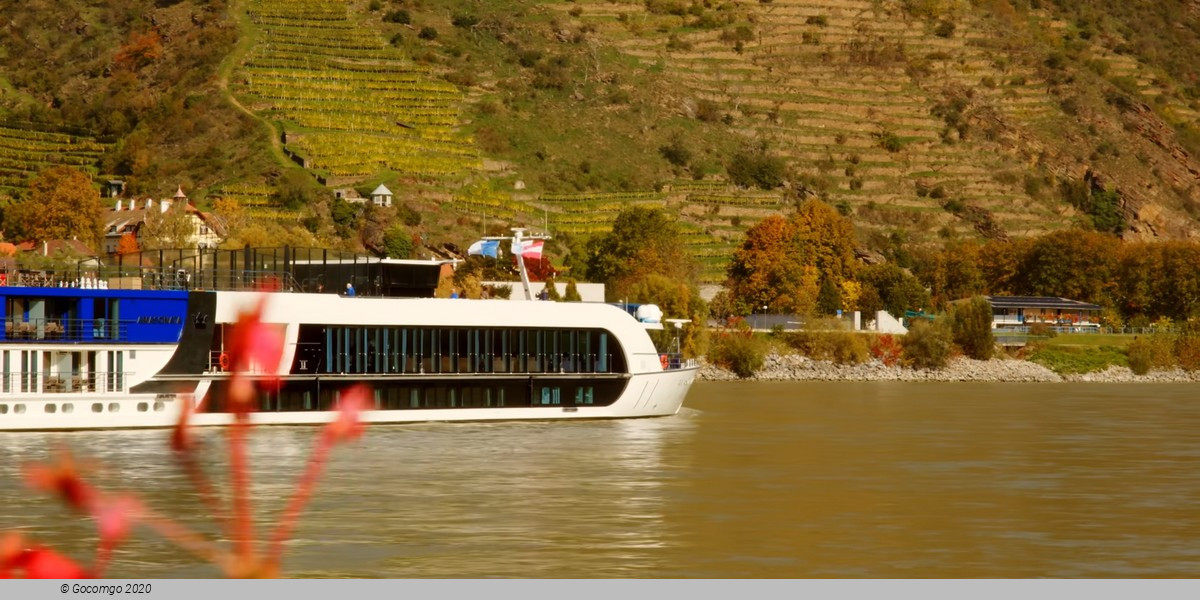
x: 135, y: 76
x: 924, y: 119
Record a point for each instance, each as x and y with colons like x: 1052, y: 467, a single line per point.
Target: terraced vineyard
x: 923, y: 127
x: 255, y: 201
x: 827, y: 81
x: 25, y: 151
x: 351, y: 106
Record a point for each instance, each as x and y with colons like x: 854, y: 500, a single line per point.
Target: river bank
x: 793, y: 367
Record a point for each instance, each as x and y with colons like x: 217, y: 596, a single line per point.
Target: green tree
x: 552, y: 290
x: 643, y: 241
x: 1075, y: 264
x: 678, y: 299
x: 397, y: 242
x: 756, y: 168
x: 888, y: 287
x: 829, y: 300
x: 172, y: 228
x: 971, y: 324
x: 296, y: 189
x: 572, y: 293
x: 951, y: 273
x: 62, y: 205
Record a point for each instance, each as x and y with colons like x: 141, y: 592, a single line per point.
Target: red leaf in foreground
x: 252, y: 342
x: 115, y: 516
x: 181, y: 435
x: 35, y: 563
x: 348, y: 425
x: 62, y: 480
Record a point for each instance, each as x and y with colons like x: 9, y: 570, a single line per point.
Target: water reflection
x: 751, y: 480
x: 442, y: 500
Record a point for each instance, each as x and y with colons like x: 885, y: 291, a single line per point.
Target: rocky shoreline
x: 792, y: 367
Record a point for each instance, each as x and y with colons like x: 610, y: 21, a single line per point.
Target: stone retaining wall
x: 800, y: 368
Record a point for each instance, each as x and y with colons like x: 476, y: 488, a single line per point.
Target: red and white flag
x: 532, y: 249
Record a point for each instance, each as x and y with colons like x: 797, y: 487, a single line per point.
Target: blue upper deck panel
x: 79, y: 315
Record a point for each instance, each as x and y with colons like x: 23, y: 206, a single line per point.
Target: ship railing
x: 40, y: 382
x: 220, y: 361
x: 154, y: 278
x: 675, y: 360
x: 65, y: 330
x: 498, y: 364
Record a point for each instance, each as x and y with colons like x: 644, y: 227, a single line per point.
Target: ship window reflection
x: 457, y: 350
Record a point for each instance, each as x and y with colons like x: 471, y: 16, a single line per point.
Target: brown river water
x: 756, y: 479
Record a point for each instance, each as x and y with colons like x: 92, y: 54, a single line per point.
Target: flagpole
x: 517, y: 248
x: 517, y: 231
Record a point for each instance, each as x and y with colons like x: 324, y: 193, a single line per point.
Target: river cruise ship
x: 127, y: 345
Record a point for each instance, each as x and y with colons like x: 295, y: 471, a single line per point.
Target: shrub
x: 708, y: 111
x: 676, y: 152
x: 398, y: 16
x: 428, y: 33
x: 572, y: 293
x: 971, y: 323
x: 740, y: 353
x: 886, y: 348
x: 927, y: 344
x: 841, y: 347
x: 1042, y: 330
x: 408, y: 216
x: 890, y: 141
x: 464, y: 21
x: 818, y: 20
x: 398, y: 242
x: 750, y: 169
x: 552, y: 290
x: 944, y: 29
x: 1140, y: 356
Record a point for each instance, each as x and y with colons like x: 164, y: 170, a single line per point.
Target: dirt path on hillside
x: 246, y: 41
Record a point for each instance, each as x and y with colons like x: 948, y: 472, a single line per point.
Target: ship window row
x: 458, y: 350
x: 299, y: 396
x: 65, y: 319
x: 67, y: 408
x: 62, y: 371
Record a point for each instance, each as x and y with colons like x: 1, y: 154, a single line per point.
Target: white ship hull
x: 654, y: 394
x: 97, y: 359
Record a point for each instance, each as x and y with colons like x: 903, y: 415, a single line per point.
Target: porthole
x: 159, y: 406
x: 97, y: 407
x: 68, y: 408
x: 3, y: 409
x: 19, y: 409
x: 114, y: 407
x: 51, y: 408
x: 143, y: 407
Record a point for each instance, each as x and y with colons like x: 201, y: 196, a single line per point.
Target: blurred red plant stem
x: 242, y: 518
x: 304, y: 490
x: 188, y: 540
x: 254, y: 344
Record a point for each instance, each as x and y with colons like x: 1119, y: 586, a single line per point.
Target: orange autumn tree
x: 127, y: 244
x: 783, y: 262
x: 141, y: 50
x: 62, y: 205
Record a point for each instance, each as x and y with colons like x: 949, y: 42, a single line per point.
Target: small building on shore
x: 1020, y: 312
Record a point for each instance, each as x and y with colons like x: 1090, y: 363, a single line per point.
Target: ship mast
x: 518, y: 242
